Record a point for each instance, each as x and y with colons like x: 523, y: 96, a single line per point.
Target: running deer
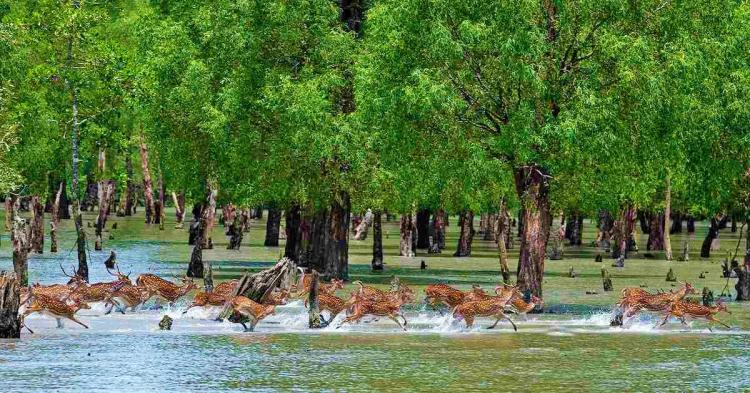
x: 365, y: 306
x: 402, y: 295
x: 203, y: 299
x: 520, y: 306
x: 635, y: 300
x: 129, y: 296
x: 55, y: 308
x: 334, y: 305
x: 101, y: 291
x: 442, y: 294
x: 684, y: 309
x: 248, y: 308
x: 226, y: 288
x: 157, y: 286
x: 305, y: 282
x: 491, y: 307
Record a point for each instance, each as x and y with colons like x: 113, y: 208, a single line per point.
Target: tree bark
x: 656, y: 236
x: 8, y: 214
x: 273, y: 227
x: 574, y: 229
x: 503, y: 231
x: 407, y: 229
x: 159, y: 213
x: 234, y: 231
x: 21, y: 239
x: 179, y: 209
x: 363, y: 228
x: 106, y: 191
x: 129, y: 185
x: 312, y: 302
x: 37, y: 225
x: 713, y: 233
x: 676, y: 223
x: 667, y: 225
x: 293, y: 248
x: 10, y: 302
x: 423, y: 232
x: 328, y: 250
x: 55, y: 219
x: 377, y: 242
x: 532, y: 188
x: 148, y: 192
x: 466, y: 237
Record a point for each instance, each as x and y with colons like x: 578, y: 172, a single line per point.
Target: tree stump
x: 743, y: 278
x: 21, y: 238
x: 165, y: 323
x: 10, y: 301
x: 606, y: 281
x: 671, y: 277
x: 257, y: 287
x: 312, y: 302
x: 598, y: 258
x: 572, y: 273
x: 707, y: 297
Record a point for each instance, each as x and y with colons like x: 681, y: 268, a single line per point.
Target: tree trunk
x: 713, y: 233
x: 645, y: 220
x: 503, y: 231
x: 55, y: 219
x: 10, y: 302
x: 743, y: 277
x: 407, y: 229
x: 234, y: 231
x: 106, y: 190
x: 8, y: 214
x: 656, y: 236
x: 574, y: 229
x: 272, y: 227
x: 130, y: 186
x: 466, y: 222
x: 328, y: 250
x: 604, y: 229
x: 257, y: 287
x: 198, y: 267
x: 312, y: 302
x: 423, y: 229
x: 211, y: 216
x: 676, y: 223
x: 21, y: 239
x: 293, y: 248
x: 533, y: 191
x: 377, y: 242
x: 557, y: 236
x: 438, y: 226
x: 667, y: 225
x: 179, y: 209
x: 363, y: 228
x: 159, y: 208
x: 148, y: 192
x: 37, y: 225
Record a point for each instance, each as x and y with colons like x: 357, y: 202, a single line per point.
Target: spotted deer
x: 204, y: 299
x: 101, y: 291
x: 365, y: 306
x: 491, y: 307
x: 305, y: 282
x: 277, y: 298
x: 520, y: 306
x: 129, y: 296
x: 157, y: 286
x: 334, y: 305
x: 402, y: 295
x: 637, y: 300
x: 56, y: 308
x: 226, y: 288
x: 248, y: 308
x: 684, y: 309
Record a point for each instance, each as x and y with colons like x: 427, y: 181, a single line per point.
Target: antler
x: 64, y: 272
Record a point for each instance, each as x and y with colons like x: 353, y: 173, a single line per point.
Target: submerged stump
x: 10, y: 301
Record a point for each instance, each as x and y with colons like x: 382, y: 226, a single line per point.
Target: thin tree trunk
x: 179, y: 209
x: 129, y: 185
x: 10, y: 302
x: 713, y: 233
x: 55, y: 219
x: 377, y: 241
x: 667, y: 225
x: 106, y: 191
x: 466, y: 237
x: 159, y: 208
x: 37, y: 225
x: 148, y: 192
x: 312, y: 302
x: 407, y: 229
x: 8, y: 214
x: 211, y: 216
x: 234, y: 231
x: 533, y: 191
x: 503, y: 229
x: 360, y: 232
x: 273, y: 227
x: 437, y: 232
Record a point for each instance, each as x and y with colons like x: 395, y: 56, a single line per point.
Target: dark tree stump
x: 743, y: 279
x: 165, y: 323
x: 423, y: 229
x: 272, y: 227
x: 713, y: 233
x: 671, y: 277
x: 606, y: 281
x: 234, y: 231
x: 10, y: 301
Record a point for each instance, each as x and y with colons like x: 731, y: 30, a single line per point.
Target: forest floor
x: 561, y: 293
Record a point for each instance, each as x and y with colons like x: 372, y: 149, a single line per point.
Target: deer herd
x: 63, y: 301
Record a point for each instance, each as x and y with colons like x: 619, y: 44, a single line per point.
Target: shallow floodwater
x: 548, y: 353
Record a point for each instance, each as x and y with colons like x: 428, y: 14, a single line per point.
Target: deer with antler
x: 252, y: 310
x: 683, y: 309
x: 128, y: 296
x: 56, y: 308
x: 101, y: 291
x: 157, y: 286
x: 493, y: 306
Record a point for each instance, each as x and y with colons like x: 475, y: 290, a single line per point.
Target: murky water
x: 548, y: 353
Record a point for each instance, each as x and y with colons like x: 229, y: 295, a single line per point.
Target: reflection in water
x: 549, y: 353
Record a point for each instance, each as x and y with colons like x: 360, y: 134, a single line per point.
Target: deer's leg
x: 515, y: 328
x: 188, y: 308
x: 394, y: 319
x: 496, y: 322
x: 78, y: 322
x: 664, y: 321
x: 469, y: 321
x: 712, y: 319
